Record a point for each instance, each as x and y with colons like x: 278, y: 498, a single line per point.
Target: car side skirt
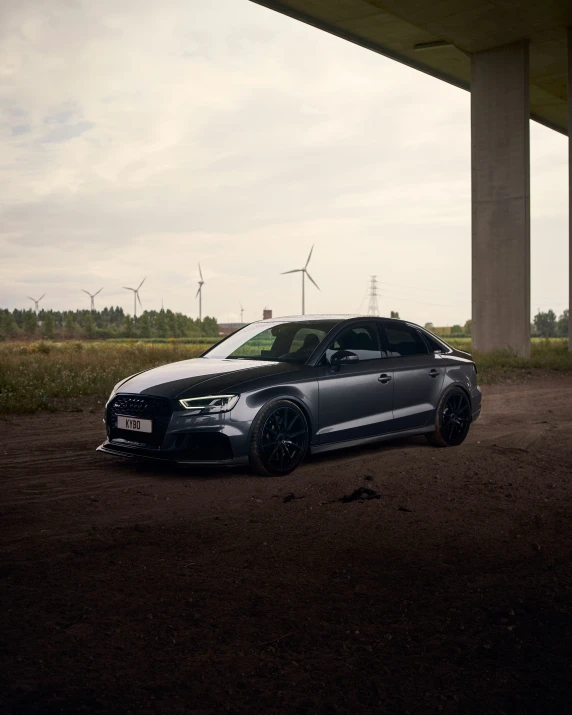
x: 331, y: 446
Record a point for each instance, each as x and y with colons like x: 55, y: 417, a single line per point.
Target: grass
x: 200, y: 340
x: 548, y: 357
x: 36, y: 376
x: 46, y: 375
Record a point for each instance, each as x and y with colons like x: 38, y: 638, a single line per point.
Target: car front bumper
x: 181, y: 437
x: 137, y: 452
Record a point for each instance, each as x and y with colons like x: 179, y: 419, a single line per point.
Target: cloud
x: 67, y: 132
x: 20, y: 129
x: 59, y: 117
x: 160, y: 134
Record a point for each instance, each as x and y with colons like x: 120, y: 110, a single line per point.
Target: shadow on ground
x: 132, y: 588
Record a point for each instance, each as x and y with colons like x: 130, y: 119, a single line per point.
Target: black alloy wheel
x: 452, y: 419
x: 280, y: 439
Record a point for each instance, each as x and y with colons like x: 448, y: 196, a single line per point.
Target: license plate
x: 134, y: 424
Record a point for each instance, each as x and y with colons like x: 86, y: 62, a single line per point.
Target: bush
x: 42, y: 347
x: 547, y: 355
x: 34, y: 375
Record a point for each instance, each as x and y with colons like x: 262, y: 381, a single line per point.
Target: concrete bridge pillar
x: 500, y: 155
x: 570, y: 188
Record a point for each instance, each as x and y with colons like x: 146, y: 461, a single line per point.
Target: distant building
x: 228, y: 328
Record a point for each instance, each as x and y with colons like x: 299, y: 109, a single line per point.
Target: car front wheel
x: 452, y: 419
x: 280, y: 438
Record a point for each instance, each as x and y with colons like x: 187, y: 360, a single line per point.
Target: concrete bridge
x: 515, y: 57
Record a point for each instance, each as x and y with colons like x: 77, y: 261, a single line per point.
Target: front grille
x: 157, y: 409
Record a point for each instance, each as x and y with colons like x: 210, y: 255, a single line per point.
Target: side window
x: 359, y: 339
x: 433, y: 343
x: 404, y: 341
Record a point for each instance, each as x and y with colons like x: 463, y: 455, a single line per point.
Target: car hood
x: 189, y: 377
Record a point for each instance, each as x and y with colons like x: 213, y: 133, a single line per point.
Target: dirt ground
x: 139, y: 589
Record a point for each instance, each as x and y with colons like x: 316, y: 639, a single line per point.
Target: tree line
x: 102, y: 324
x: 547, y: 325
x: 544, y: 325
x: 114, y: 323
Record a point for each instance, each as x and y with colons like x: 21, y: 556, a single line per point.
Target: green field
x: 41, y: 375
x: 36, y: 376
x: 549, y: 356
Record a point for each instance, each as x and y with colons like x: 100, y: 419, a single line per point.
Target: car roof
x: 329, y: 316
x: 304, y: 318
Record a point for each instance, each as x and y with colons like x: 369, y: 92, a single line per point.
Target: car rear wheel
x: 452, y: 419
x: 280, y: 438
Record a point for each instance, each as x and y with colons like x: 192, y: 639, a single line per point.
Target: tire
x: 452, y: 419
x: 280, y: 439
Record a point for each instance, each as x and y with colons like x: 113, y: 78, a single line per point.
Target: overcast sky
x: 138, y: 138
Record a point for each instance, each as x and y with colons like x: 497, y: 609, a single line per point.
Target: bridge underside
x: 515, y: 57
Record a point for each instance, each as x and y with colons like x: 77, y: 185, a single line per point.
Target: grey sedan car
x: 279, y: 389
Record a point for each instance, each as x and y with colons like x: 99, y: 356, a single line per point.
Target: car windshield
x: 278, y: 342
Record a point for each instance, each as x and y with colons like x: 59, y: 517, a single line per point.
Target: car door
x: 355, y: 399
x: 418, y: 375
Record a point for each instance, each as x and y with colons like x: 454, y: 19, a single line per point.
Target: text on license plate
x: 134, y: 423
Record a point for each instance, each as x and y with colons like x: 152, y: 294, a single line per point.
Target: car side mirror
x: 343, y: 357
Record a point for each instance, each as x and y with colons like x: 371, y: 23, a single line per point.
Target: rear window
x: 404, y: 340
x: 434, y: 344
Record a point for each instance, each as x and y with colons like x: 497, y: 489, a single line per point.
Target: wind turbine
x: 92, y: 296
x: 200, y: 293
x: 136, y: 296
x: 304, y: 273
x: 36, y: 303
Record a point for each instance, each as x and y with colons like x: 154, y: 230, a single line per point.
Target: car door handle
x: 433, y: 372
x: 384, y: 378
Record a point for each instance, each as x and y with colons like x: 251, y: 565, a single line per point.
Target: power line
x: 401, y: 285
x: 362, y: 300
x: 417, y: 289
x: 426, y: 302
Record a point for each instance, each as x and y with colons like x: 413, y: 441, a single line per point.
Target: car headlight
x: 210, y: 403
